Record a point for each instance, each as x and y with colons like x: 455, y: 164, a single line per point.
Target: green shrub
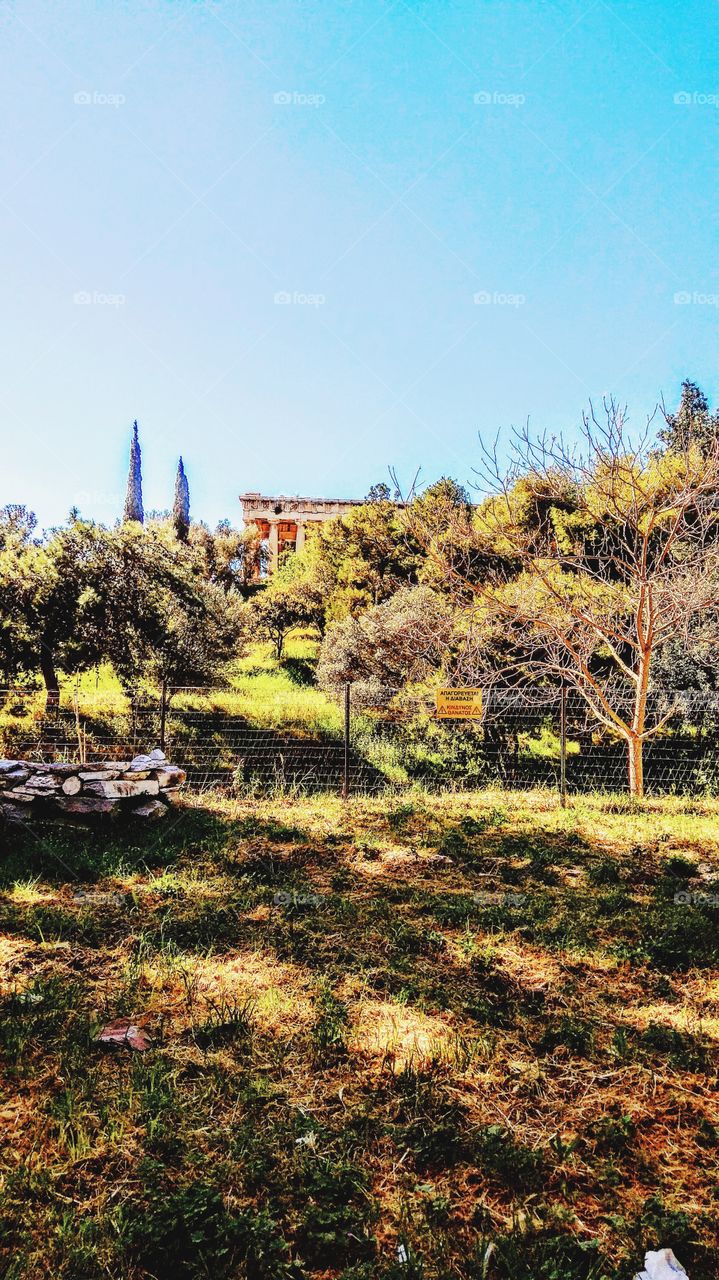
x: 496, y: 1151
x: 572, y: 1032
x: 678, y: 936
x: 520, y: 1256
x: 333, y: 1227
x: 187, y: 1233
x: 329, y: 1031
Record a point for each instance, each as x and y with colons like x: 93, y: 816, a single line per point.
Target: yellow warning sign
x: 458, y: 704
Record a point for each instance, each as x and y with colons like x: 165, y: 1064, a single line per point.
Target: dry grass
x: 478, y: 1031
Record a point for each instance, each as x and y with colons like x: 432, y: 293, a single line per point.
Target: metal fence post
x: 346, y: 762
x: 163, y: 713
x: 563, y: 747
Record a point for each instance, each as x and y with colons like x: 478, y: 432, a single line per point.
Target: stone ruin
x: 144, y: 788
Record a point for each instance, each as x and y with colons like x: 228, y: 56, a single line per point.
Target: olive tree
x: 402, y: 641
x: 133, y: 595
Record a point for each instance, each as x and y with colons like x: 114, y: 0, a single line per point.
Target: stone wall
x: 143, y: 787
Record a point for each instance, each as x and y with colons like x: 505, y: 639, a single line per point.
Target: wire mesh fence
x: 523, y: 738
x: 548, y: 737
x: 198, y: 729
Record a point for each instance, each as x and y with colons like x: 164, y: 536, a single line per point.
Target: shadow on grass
x: 300, y: 670
x: 59, y: 854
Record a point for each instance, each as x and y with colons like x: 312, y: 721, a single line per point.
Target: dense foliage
x: 134, y: 596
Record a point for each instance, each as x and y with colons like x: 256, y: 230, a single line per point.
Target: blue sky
x: 303, y: 241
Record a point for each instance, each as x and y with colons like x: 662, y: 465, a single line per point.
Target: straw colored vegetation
x: 417, y: 1037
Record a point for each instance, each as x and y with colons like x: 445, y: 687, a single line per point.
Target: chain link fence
x: 524, y: 738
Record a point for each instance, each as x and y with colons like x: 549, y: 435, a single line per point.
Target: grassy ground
x: 465, y: 1037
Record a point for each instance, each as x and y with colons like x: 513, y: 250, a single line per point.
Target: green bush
x: 187, y: 1233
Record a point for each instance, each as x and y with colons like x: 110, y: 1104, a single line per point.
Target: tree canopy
x: 592, y: 560
x: 132, y: 595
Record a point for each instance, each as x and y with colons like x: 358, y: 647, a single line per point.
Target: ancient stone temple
x: 284, y: 522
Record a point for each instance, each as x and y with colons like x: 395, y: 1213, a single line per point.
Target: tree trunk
x: 635, y: 747
x: 49, y: 675
x: 635, y: 740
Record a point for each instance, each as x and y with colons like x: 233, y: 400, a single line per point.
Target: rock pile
x: 144, y: 787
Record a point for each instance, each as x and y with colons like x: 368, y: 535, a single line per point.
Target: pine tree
x: 133, y: 497
x: 181, y: 505
x: 692, y: 423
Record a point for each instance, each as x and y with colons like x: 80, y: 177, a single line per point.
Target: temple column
x: 257, y: 559
x: 300, y: 535
x: 274, y: 542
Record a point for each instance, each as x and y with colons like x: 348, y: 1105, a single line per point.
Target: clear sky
x: 475, y: 213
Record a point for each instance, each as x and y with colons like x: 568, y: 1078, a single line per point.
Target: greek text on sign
x: 458, y: 704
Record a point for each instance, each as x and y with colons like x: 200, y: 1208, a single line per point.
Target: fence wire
x: 516, y: 742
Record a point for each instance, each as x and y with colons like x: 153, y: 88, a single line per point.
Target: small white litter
x: 661, y: 1265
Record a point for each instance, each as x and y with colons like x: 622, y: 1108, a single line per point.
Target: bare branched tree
x: 582, y: 563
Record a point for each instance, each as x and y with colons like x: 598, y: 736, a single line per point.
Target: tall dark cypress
x: 133, y: 497
x: 181, y: 505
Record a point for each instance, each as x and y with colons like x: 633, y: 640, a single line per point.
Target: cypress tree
x: 181, y: 505
x: 133, y: 497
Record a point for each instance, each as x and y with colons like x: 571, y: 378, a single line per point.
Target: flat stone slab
x: 117, y: 790
x: 153, y: 810
x: 155, y: 760
x: 14, y: 813
x: 12, y: 779
x: 84, y: 804
x: 172, y: 776
x: 42, y: 783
